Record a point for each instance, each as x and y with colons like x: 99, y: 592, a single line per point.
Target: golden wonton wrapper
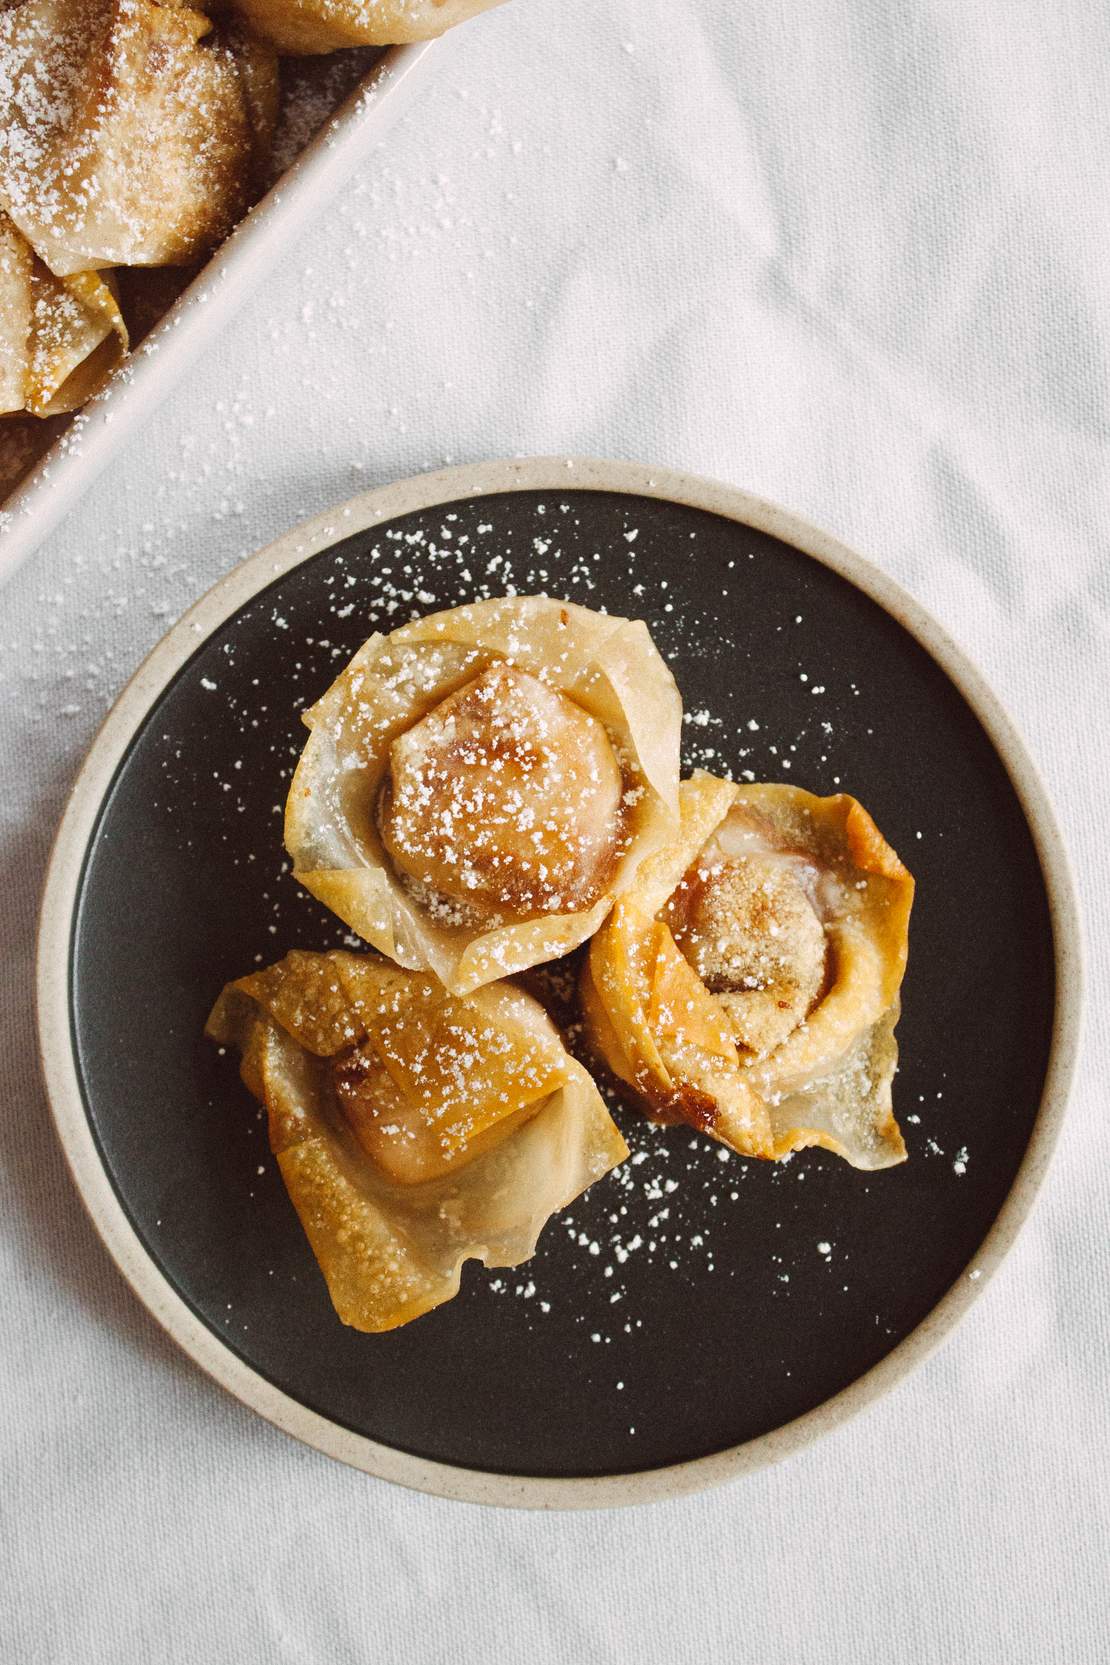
x: 414, y: 1130
x: 126, y: 136
x: 305, y: 26
x: 519, y: 757
x: 796, y: 912
x: 60, y: 338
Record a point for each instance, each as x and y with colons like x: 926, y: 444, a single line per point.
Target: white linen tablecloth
x: 853, y: 256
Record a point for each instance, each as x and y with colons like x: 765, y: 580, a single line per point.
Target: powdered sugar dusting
x: 684, y: 1225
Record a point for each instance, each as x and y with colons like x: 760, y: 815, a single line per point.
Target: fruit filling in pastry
x: 481, y: 785
x: 506, y: 798
x: 748, y: 983
x: 414, y: 1129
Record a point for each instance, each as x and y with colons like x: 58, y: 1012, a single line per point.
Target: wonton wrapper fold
x: 130, y: 130
x: 391, y: 1251
x: 60, y: 338
x: 607, y: 666
x: 663, y: 1033
x: 308, y: 26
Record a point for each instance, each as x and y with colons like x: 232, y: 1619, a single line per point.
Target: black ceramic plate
x: 696, y: 1303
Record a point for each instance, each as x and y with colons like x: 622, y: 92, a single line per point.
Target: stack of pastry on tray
x: 133, y: 135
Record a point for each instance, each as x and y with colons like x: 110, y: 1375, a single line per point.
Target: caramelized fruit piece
x: 751, y: 933
x: 506, y: 798
x: 431, y: 1087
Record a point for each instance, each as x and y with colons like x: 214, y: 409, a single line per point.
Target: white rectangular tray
x: 146, y: 377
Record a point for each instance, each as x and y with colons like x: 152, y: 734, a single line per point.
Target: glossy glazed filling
x: 747, y: 919
x: 433, y: 1087
x: 505, y: 801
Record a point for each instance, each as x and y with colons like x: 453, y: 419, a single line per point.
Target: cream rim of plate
x: 54, y: 966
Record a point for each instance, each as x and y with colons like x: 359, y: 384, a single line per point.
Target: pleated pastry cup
x: 608, y: 667
x: 391, y: 1251
x: 665, y: 1036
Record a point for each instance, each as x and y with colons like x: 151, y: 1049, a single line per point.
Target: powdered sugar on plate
x: 683, y: 1212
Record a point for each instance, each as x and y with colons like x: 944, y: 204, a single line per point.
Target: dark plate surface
x: 694, y: 1301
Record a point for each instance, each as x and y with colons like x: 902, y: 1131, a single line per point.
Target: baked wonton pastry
x: 304, y: 26
x: 60, y: 338
x: 479, y: 785
x: 748, y: 984
x: 414, y: 1129
x: 129, y: 130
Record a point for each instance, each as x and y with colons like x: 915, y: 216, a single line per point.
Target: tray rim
x: 53, y: 976
x: 148, y: 374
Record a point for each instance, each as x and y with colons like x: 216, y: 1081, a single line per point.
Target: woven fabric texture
x: 853, y: 257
